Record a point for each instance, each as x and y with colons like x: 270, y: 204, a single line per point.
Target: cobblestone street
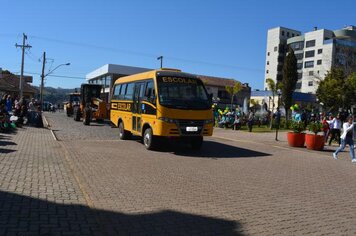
x: 90, y: 183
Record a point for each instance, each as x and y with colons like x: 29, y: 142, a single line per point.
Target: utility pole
x: 42, y: 79
x: 23, y: 46
x: 160, y: 58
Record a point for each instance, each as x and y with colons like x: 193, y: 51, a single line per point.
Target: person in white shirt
x: 31, y: 105
x: 347, y: 138
x: 335, y: 127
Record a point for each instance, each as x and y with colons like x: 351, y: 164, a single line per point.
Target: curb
x: 48, y: 127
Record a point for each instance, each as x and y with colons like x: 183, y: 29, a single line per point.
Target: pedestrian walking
x: 251, y: 117
x: 335, y: 129
x: 347, y: 138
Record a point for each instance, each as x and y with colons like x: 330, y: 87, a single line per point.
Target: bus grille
x: 183, y: 124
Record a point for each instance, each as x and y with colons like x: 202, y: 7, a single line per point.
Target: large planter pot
x: 296, y: 139
x: 314, y: 141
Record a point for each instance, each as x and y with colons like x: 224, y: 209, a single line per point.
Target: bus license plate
x: 191, y: 129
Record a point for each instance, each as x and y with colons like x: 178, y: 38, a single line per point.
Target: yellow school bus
x: 162, y: 103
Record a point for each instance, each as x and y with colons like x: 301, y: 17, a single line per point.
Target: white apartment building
x: 316, y: 52
x: 276, y: 51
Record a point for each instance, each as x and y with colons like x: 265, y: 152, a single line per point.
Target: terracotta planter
x: 314, y: 141
x: 296, y: 139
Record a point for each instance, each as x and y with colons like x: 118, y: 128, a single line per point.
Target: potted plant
x: 296, y: 137
x: 313, y: 140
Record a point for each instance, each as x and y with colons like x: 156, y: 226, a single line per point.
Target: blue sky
x: 211, y: 37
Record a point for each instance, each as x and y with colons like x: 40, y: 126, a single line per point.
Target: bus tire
x: 148, y: 139
x: 123, y: 134
x: 196, y: 143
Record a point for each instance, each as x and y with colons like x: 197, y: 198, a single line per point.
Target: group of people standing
x: 234, y: 118
x: 20, y: 111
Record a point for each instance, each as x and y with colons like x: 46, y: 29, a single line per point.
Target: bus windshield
x: 182, y: 93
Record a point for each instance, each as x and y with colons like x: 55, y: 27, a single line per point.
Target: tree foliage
x: 55, y: 95
x: 336, y: 90
x: 273, y: 87
x: 254, y: 104
x: 233, y: 90
x: 289, y: 81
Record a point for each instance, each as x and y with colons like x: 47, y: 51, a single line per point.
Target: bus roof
x: 153, y: 73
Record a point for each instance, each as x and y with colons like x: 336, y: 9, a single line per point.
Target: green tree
x: 254, y: 104
x: 233, y: 90
x: 337, y: 90
x: 273, y: 87
x: 350, y: 93
x: 289, y: 81
x: 330, y: 91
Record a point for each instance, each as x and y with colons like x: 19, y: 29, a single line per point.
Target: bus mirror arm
x: 210, y: 97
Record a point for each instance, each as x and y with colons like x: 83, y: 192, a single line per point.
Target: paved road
x: 238, y: 184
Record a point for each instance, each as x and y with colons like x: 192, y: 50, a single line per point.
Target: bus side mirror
x: 210, y: 97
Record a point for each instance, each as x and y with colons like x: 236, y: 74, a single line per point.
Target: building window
x: 299, y: 66
x: 288, y: 34
x: 311, y: 73
x: 310, y: 83
x: 108, y: 81
x: 309, y: 64
x: 318, y: 62
x: 267, y: 53
x: 309, y: 53
x: 282, y: 32
x: 297, y: 46
x: 292, y: 35
x: 267, y: 71
x: 300, y: 75
x: 267, y: 62
x: 275, y: 49
x: 310, y: 43
x: 320, y: 51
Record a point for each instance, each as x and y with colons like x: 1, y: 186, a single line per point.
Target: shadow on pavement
x: 210, y: 149
x: 6, y: 143
x: 22, y: 215
x: 6, y: 151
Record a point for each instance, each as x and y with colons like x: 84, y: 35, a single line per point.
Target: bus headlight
x: 168, y: 120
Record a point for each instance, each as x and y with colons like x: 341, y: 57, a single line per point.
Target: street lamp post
x: 43, y: 75
x: 278, y: 113
x: 160, y: 58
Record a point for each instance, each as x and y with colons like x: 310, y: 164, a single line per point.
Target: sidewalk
x: 38, y: 192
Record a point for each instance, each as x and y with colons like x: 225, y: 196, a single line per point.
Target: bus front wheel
x: 148, y: 139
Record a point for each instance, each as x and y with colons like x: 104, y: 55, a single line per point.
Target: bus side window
x: 129, y: 91
x: 122, y: 91
x: 116, y: 91
x: 150, y: 92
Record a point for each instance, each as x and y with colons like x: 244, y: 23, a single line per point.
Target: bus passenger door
x: 136, y: 107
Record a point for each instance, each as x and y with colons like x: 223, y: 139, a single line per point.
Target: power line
x: 147, y: 54
x: 58, y: 76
